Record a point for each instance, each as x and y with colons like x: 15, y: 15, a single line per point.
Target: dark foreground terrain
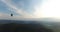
x: 22, y: 26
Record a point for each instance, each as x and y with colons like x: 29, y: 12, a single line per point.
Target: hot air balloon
x: 11, y: 14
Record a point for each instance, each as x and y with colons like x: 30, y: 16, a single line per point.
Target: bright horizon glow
x: 51, y: 9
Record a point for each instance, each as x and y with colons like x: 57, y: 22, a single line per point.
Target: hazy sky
x: 29, y: 9
x: 20, y: 8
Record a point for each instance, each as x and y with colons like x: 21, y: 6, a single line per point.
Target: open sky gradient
x: 29, y: 9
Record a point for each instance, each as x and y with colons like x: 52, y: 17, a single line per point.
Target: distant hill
x: 17, y: 21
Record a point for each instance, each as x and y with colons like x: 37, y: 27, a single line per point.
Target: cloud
x: 36, y: 14
x: 3, y: 15
x: 8, y: 2
x: 8, y: 17
x: 40, y: 11
x: 51, y: 9
x: 19, y: 11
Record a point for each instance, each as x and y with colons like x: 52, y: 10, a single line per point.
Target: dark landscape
x: 28, y: 26
x: 22, y: 26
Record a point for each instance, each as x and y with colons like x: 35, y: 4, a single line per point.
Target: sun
x: 51, y: 9
x: 48, y: 9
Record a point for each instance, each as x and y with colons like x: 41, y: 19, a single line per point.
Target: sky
x: 29, y: 9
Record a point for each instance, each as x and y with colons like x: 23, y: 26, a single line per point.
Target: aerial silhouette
x: 11, y: 14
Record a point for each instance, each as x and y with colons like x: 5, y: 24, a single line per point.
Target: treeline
x: 14, y: 27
